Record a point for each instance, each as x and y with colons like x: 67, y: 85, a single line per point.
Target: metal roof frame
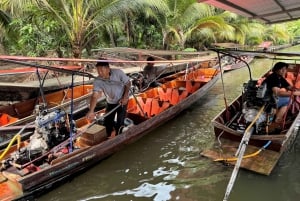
x: 268, y: 11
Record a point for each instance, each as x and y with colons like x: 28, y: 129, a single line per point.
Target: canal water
x: 166, y: 164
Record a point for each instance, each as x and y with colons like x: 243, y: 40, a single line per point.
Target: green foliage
x: 5, y: 19
x: 294, y: 29
x: 71, y: 27
x: 35, y: 38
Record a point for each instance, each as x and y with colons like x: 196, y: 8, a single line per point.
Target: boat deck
x: 262, y: 163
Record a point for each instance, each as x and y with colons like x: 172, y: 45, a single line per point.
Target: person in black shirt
x: 280, y: 89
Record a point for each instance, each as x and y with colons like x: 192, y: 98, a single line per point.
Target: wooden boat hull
x: 229, y: 128
x: 279, y: 141
x: 261, y: 161
x: 86, y: 156
x: 238, y: 64
x: 22, y: 112
x: 21, y: 83
x: 25, y: 70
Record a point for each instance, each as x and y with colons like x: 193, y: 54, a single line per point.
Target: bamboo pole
x: 241, y: 151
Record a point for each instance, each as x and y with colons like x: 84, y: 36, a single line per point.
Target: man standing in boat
x: 115, y: 85
x: 281, y: 90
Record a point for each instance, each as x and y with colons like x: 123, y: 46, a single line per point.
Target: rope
x: 247, y: 156
x: 16, y: 137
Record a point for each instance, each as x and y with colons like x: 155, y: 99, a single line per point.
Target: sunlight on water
x: 159, y: 192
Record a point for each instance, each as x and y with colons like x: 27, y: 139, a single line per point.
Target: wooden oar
x: 241, y: 151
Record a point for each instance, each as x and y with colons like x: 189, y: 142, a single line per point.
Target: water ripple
x: 159, y: 192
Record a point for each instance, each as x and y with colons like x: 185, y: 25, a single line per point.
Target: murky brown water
x: 166, y: 165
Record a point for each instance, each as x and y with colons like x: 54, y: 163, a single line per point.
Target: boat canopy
x: 268, y: 11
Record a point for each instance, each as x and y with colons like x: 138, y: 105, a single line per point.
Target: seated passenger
x: 280, y: 89
x: 151, y: 73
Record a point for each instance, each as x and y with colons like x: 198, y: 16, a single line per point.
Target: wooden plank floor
x: 263, y: 163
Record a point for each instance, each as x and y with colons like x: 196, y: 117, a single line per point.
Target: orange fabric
x: 291, y: 78
x: 6, y: 119
x: 297, y: 85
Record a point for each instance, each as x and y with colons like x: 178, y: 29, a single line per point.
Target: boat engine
x: 51, y: 128
x: 137, y: 82
x: 254, y: 97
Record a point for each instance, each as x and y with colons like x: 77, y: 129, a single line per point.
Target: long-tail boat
x: 22, y: 115
x: 23, y: 112
x: 20, y: 83
x: 60, y: 148
x: 247, y: 121
x: 234, y: 63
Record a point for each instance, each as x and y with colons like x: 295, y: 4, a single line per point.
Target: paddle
x: 240, y: 152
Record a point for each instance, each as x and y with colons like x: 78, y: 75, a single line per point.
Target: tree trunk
x: 111, y: 35
x: 127, y: 29
x: 2, y: 51
x: 76, y: 51
x: 59, y: 52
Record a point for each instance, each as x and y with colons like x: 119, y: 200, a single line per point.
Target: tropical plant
x: 78, y: 26
x: 277, y: 33
x: 242, y: 29
x: 294, y: 28
x: 4, y: 21
x: 81, y: 20
x: 188, y: 19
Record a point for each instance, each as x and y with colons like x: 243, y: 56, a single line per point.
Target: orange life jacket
x: 4, y: 119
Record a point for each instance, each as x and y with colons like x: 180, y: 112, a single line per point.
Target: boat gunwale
x: 128, y: 136
x: 62, y: 105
